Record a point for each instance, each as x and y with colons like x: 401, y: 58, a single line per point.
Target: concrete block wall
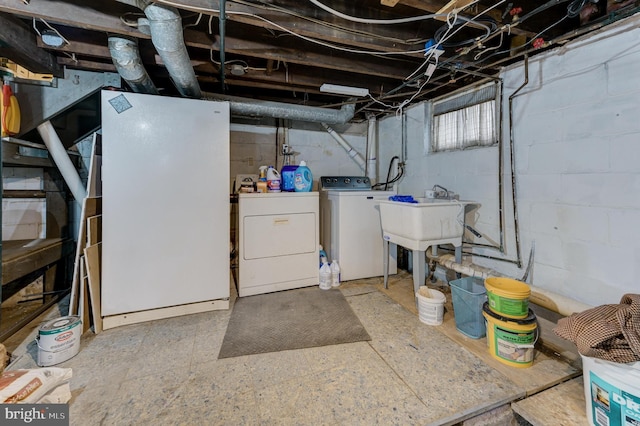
x: 577, y: 199
x: 253, y: 146
x: 23, y: 218
x: 576, y: 132
x: 390, y: 131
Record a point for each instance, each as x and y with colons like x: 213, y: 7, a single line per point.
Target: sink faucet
x: 443, y: 193
x: 436, y: 186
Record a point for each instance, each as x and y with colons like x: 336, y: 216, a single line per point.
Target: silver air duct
x: 165, y: 25
x: 256, y: 108
x: 126, y: 58
x: 166, y: 34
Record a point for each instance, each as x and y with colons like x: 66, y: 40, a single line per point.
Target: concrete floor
x: 167, y: 372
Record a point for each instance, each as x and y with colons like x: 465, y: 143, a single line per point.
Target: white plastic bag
x: 29, y: 386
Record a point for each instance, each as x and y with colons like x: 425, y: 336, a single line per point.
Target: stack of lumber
x: 85, y: 287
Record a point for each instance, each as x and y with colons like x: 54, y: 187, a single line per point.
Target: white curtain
x: 469, y: 126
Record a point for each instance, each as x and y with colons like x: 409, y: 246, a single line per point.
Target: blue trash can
x: 468, y: 295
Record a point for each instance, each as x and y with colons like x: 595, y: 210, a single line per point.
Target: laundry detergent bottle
x: 303, y: 179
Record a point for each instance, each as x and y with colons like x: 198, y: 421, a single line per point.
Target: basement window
x: 466, y: 119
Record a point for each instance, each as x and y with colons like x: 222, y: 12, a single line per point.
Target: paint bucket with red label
x: 58, y: 340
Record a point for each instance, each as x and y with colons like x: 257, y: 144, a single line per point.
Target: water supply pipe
x: 501, y: 170
x: 512, y: 161
x: 62, y: 160
x: 343, y: 143
x: 126, y: 58
x: 257, y: 108
x: 372, y: 149
x: 222, y: 28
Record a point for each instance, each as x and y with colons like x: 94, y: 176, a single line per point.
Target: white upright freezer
x: 165, y: 171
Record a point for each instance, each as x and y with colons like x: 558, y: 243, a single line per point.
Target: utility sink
x: 430, y: 221
x: 417, y: 226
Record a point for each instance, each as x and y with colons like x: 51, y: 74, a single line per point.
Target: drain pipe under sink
x: 555, y: 302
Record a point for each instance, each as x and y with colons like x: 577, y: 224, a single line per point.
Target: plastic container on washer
x: 303, y: 179
x: 288, y: 170
x: 273, y: 180
x: 288, y: 177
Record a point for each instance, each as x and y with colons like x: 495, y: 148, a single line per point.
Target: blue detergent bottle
x: 303, y: 179
x: 288, y: 170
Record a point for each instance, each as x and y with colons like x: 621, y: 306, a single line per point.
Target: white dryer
x: 350, y: 229
x: 278, y: 239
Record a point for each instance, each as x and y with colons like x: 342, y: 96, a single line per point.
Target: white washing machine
x: 350, y: 229
x: 278, y: 241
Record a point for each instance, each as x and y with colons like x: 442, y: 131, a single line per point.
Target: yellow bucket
x: 508, y: 297
x: 511, y: 341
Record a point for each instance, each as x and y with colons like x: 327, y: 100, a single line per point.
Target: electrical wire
x: 344, y: 49
x: 329, y: 45
x: 524, y: 45
x: 438, y: 36
x: 573, y: 10
x: 432, y: 51
x: 281, y: 9
x: 128, y: 23
x: 435, y: 47
x: 408, y: 101
x: 489, y: 49
x: 379, y: 21
x: 51, y: 28
x: 379, y: 102
x: 244, y: 64
x: 309, y: 39
x: 195, y: 24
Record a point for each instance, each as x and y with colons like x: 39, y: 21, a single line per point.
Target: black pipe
x: 512, y: 160
x: 386, y: 182
x: 489, y: 246
x: 482, y: 255
x: 501, y: 170
x: 222, y: 23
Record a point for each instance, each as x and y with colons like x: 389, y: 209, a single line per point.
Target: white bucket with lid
x: 611, y: 392
x: 430, y: 305
x: 58, y: 340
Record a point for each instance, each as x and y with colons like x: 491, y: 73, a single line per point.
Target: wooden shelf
x: 22, y: 257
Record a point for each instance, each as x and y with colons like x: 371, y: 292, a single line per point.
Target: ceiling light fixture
x: 52, y: 38
x: 344, y: 90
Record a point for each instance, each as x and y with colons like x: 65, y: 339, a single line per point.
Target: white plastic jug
x: 273, y: 180
x: 325, y: 275
x: 335, y: 273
